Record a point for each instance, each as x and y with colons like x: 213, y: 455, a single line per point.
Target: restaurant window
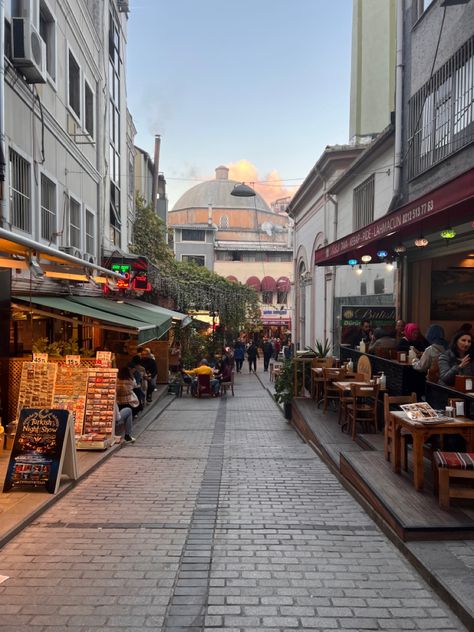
x: 363, y: 288
x: 267, y: 297
x: 90, y: 232
x: 20, y: 192
x: 363, y: 203
x: 74, y: 78
x: 48, y: 209
x: 198, y: 260
x: 379, y: 286
x: 441, y: 113
x: 188, y: 234
x: 74, y: 223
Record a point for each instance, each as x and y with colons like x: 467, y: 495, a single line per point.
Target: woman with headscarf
x: 412, y: 338
x: 435, y: 336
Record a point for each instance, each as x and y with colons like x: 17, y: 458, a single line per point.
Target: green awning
x: 162, y: 322
x: 178, y: 317
x: 145, y: 331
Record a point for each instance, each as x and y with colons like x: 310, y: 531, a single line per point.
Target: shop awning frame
x: 146, y: 332
x: 178, y: 317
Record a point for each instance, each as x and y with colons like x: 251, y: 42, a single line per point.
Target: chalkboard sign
x: 43, y: 449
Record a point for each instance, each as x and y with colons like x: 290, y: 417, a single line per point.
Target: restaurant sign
x: 377, y: 315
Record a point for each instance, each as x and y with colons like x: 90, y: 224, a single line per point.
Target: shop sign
x: 103, y: 359
x: 377, y: 315
x: 134, y: 271
x: 43, y: 449
x: 40, y: 358
x: 73, y: 360
x: 124, y: 269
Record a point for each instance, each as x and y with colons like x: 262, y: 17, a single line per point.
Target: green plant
x: 323, y: 349
x: 284, y: 383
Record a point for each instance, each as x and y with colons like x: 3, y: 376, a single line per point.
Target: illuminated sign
x: 125, y: 269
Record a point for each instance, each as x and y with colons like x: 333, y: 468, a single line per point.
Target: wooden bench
x: 454, y: 465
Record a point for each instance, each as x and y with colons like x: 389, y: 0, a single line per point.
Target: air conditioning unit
x: 89, y: 258
x: 71, y: 250
x: 28, y: 51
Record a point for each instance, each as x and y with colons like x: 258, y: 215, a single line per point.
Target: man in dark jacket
x: 252, y: 355
x: 151, y: 368
x: 267, y: 353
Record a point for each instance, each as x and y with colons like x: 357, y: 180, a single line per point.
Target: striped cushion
x: 455, y: 460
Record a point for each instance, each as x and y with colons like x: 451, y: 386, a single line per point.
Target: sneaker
x: 129, y: 439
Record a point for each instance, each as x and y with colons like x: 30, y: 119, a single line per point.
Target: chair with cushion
x: 454, y: 465
x: 204, y: 385
x: 363, y: 407
x: 389, y: 402
x: 228, y: 385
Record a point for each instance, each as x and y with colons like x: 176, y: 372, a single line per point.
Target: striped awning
x: 283, y: 284
x: 254, y: 282
x: 269, y: 284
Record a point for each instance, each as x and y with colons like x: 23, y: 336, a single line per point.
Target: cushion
x: 455, y: 460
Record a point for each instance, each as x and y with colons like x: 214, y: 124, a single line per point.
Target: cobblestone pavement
x: 219, y: 517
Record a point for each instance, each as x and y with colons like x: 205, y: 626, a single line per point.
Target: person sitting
x: 149, y: 362
x: 139, y: 375
x: 363, y: 334
x: 125, y: 415
x: 435, y: 336
x: 412, y: 338
x: 203, y: 369
x: 457, y: 360
x: 382, y: 340
x: 126, y: 397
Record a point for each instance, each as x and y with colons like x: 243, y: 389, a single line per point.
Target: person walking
x: 267, y: 353
x: 239, y: 354
x: 252, y: 355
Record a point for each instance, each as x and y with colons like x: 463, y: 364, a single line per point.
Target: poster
x: 103, y: 359
x: 377, y: 315
x: 43, y: 449
x: 452, y: 294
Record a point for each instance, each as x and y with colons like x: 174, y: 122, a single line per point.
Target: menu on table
x: 70, y: 393
x: 37, y: 385
x: 100, y: 404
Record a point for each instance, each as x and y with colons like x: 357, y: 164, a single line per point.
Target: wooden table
x: 420, y: 433
x: 345, y: 385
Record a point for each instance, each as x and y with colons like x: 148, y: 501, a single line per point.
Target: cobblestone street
x: 218, y: 517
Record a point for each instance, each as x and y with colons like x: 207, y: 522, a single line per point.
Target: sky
x: 261, y: 86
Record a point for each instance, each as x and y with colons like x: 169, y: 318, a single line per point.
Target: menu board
x: 100, y: 405
x: 37, y: 385
x: 70, y: 393
x: 43, y: 450
x: 103, y: 358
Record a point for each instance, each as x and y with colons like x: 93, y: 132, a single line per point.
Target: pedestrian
x: 239, y: 354
x: 125, y: 415
x: 252, y: 355
x: 267, y: 353
x: 149, y: 362
x: 277, y: 346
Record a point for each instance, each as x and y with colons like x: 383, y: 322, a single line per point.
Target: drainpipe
x: 398, y: 158
x: 3, y: 197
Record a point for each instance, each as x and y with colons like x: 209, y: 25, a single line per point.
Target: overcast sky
x: 260, y: 85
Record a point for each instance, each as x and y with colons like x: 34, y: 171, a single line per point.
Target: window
x: 420, y: 7
x: 267, y: 297
x: 282, y: 298
x: 47, y: 29
x: 115, y: 221
x: 74, y: 86
x: 20, y: 192
x: 48, y: 209
x: 188, y: 234
x: 88, y: 109
x: 363, y: 203
x: 90, y: 232
x: 236, y: 256
x: 198, y: 260
x: 379, y: 286
x: 224, y: 221
x: 363, y: 288
x: 74, y: 223
x: 441, y: 113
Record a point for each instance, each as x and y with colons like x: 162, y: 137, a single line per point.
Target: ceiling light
x: 400, y: 249
x: 366, y: 258
x: 448, y: 234
x: 353, y: 262
x: 382, y: 254
x: 421, y: 242
x: 359, y: 269
x: 389, y: 265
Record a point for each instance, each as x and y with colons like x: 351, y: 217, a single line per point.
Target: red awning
x: 232, y: 278
x: 448, y: 205
x: 254, y: 282
x: 269, y: 284
x: 283, y: 284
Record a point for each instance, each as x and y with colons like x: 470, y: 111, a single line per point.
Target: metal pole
x: 3, y: 196
x: 156, y: 168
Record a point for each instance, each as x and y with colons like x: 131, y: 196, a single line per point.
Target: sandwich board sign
x: 43, y: 450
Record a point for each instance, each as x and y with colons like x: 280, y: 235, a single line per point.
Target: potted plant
x: 323, y: 348
x: 284, y: 387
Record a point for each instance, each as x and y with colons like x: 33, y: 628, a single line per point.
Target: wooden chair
x: 395, y: 400
x: 275, y: 369
x: 363, y: 408
x: 330, y: 392
x: 204, y: 385
x: 317, y: 382
x: 228, y: 385
x: 433, y: 371
x: 364, y: 366
x: 346, y: 398
x: 454, y: 465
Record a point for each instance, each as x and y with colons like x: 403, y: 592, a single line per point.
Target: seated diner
x: 457, y: 360
x: 203, y: 369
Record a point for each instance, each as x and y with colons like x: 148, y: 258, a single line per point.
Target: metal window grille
x: 363, y: 203
x: 20, y: 192
x: 48, y: 208
x: 74, y: 223
x: 90, y: 232
x: 441, y: 113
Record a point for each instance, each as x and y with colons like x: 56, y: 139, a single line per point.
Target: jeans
x: 266, y: 361
x: 253, y: 362
x: 126, y: 416
x: 238, y: 364
x: 150, y: 388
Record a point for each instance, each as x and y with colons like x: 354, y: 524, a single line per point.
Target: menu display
x: 100, y: 405
x: 37, y: 385
x: 42, y: 450
x: 70, y: 393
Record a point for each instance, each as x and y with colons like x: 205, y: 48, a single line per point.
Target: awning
x: 283, y: 284
x: 269, y: 284
x: 162, y: 322
x: 145, y: 331
x: 232, y: 278
x: 254, y: 282
x: 277, y: 321
x: 182, y: 319
x: 448, y: 205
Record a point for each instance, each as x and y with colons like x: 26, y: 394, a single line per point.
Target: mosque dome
x: 218, y: 193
